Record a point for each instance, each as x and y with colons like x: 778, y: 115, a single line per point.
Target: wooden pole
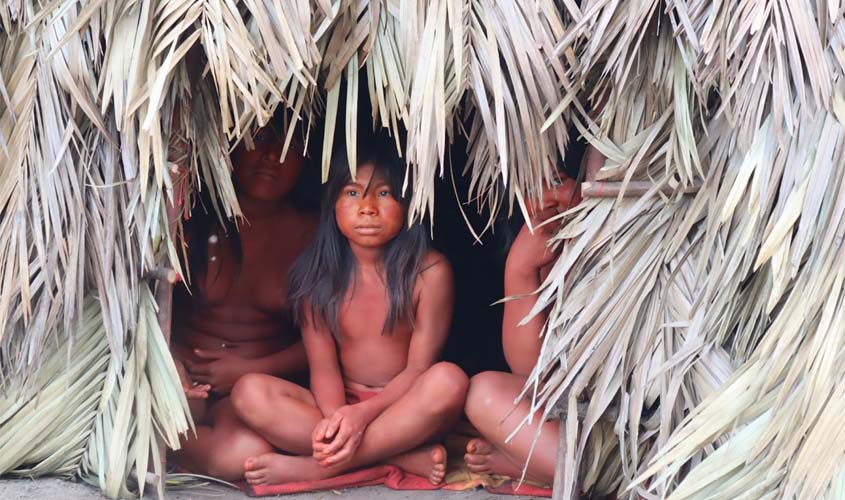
x: 164, y: 279
x: 164, y: 274
x: 602, y: 189
x: 557, y: 484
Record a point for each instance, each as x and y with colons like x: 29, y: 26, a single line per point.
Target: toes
x: 438, y: 455
x: 255, y: 477
x: 479, y: 469
x: 437, y: 476
x: 251, y: 463
x: 479, y: 447
x: 473, y: 459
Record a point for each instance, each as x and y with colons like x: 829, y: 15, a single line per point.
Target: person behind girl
x: 236, y: 318
x: 490, y: 401
x: 374, y: 304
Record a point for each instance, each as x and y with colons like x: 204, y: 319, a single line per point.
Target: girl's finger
x: 345, y: 453
x: 319, y: 433
x: 339, y: 441
x: 333, y: 426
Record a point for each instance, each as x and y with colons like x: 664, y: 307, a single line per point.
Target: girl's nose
x: 367, y: 207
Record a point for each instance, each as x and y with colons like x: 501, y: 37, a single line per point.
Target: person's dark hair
x: 205, y: 222
x: 321, y: 276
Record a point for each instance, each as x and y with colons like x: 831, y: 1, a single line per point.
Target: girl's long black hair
x: 320, y: 277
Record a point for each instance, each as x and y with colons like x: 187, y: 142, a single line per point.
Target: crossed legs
x: 285, y: 415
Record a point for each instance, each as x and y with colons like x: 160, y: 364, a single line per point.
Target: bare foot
x: 484, y: 458
x: 272, y: 468
x: 425, y: 461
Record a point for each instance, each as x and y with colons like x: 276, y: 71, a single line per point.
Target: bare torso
x: 369, y: 359
x: 239, y: 305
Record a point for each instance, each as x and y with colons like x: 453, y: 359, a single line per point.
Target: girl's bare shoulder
x: 435, y: 269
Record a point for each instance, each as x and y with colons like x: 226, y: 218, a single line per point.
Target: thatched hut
x: 702, y: 303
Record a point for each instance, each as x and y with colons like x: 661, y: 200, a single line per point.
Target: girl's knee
x: 482, y: 390
x: 249, y: 393
x: 448, y: 382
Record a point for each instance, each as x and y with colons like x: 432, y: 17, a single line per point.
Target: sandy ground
x: 57, y: 489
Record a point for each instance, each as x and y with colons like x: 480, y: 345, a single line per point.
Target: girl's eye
x: 352, y: 193
x: 384, y: 192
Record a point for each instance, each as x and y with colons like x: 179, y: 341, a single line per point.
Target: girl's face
x: 259, y: 173
x: 369, y: 220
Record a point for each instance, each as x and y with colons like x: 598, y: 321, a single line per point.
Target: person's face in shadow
x: 259, y: 173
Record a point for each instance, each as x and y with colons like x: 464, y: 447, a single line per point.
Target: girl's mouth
x: 367, y: 230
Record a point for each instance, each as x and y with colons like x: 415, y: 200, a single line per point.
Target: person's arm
x: 431, y: 327
x: 221, y: 369
x: 326, y: 382
x: 326, y: 378
x: 527, y: 258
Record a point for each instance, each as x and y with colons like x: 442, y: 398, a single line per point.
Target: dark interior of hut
x: 474, y: 342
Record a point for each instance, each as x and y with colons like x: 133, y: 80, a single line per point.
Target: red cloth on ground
x: 389, y: 475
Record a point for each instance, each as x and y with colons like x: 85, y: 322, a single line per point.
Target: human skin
x: 417, y: 397
x: 490, y: 401
x: 237, y: 320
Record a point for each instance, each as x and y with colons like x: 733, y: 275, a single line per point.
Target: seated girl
x: 490, y: 401
x: 375, y: 304
x: 236, y: 319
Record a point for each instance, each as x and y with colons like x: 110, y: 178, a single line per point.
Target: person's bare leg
x: 491, y: 410
x: 282, y: 412
x: 432, y: 404
x: 219, y: 449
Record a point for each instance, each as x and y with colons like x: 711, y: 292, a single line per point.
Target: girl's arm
x: 528, y: 257
x: 527, y: 260
x: 431, y: 327
x: 326, y: 379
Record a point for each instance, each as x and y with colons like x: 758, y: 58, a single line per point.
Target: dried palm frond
x: 85, y: 414
x: 701, y: 284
